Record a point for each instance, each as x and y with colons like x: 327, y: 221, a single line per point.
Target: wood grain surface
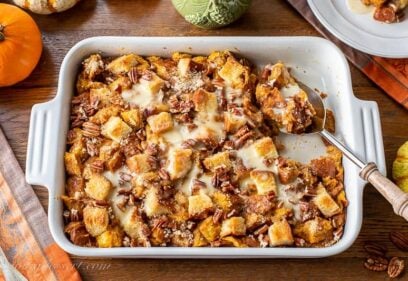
x: 154, y: 18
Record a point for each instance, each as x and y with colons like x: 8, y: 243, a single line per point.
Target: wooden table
x: 154, y: 18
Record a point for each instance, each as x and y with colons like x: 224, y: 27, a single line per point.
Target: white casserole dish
x: 315, y: 61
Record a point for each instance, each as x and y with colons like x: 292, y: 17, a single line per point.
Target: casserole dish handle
x: 372, y: 140
x: 42, y: 141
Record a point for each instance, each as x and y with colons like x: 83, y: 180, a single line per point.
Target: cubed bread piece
x: 165, y: 67
x: 268, y: 96
x: 233, y: 226
x: 209, y: 229
x: 93, y: 65
x: 205, y: 101
x: 110, y: 238
x: 266, y: 148
x: 73, y: 164
x: 139, y: 163
x: 222, y: 201
x: 324, y: 167
x: 120, y: 84
x: 116, y: 129
x: 152, y: 205
x: 264, y: 181
x: 199, y: 240
x: 287, y: 170
x: 134, y: 226
x: 125, y: 63
x: 179, y: 163
x: 199, y: 206
x: 326, y: 203
x: 161, y: 122
x: 234, y: 74
x: 315, y: 230
x: 220, y: 159
x: 98, y: 187
x: 96, y: 220
x: 233, y: 122
x: 232, y: 241
x: 280, y: 75
x: 183, y: 66
x: 102, y: 96
x: 280, y: 234
x: 103, y: 115
x: 133, y: 117
x: 253, y: 220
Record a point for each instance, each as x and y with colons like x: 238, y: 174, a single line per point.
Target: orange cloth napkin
x: 24, y: 234
x: 390, y: 74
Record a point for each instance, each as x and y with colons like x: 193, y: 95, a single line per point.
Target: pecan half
x: 376, y: 263
x: 91, y: 129
x: 375, y: 249
x: 218, y: 214
x: 97, y: 166
x: 400, y: 240
x: 395, y: 267
x: 133, y: 75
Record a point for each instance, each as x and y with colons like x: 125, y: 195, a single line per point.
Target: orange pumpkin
x: 20, y: 45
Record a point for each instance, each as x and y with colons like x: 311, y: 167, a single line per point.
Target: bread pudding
x: 184, y: 151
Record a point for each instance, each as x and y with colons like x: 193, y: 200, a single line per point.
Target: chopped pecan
x: 218, y: 214
x: 163, y: 174
x: 395, y: 267
x: 92, y: 149
x: 133, y: 75
x: 78, y: 234
x: 188, y: 143
x: 243, y: 139
x: 91, y: 129
x: 97, y: 166
x: 197, y: 185
x: 125, y: 176
x: 324, y: 167
x: 263, y: 229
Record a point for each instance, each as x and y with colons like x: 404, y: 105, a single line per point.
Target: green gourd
x: 211, y: 14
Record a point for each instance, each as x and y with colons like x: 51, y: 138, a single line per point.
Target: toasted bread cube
x: 183, y: 66
x: 268, y: 96
x: 315, y: 231
x: 139, y: 163
x: 102, y: 96
x: 78, y: 148
x: 180, y: 212
x: 199, y: 240
x: 152, y: 206
x: 103, y: 115
x: 232, y: 122
x: 179, y: 163
x: 221, y: 159
x: 199, y: 206
x: 96, y: 220
x: 116, y: 129
x: 326, y: 204
x: 125, y: 63
x: 266, y: 148
x: 73, y: 164
x: 209, y: 229
x: 161, y: 122
x: 134, y: 226
x: 280, y: 74
x: 219, y: 58
x: 264, y: 181
x: 110, y: 238
x: 234, y: 74
x: 233, y: 226
x: 205, y: 101
x: 93, y: 65
x: 133, y: 117
x: 98, y: 187
x: 281, y: 213
x: 120, y: 84
x: 253, y: 220
x: 165, y: 67
x: 222, y: 201
x: 232, y: 241
x: 280, y: 234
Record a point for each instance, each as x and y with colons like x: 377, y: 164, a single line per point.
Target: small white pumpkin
x: 46, y: 6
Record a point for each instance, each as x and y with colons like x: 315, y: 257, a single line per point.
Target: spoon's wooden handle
x: 391, y: 192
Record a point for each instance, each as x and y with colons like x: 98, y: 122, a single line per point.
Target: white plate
x: 315, y: 61
x: 361, y: 31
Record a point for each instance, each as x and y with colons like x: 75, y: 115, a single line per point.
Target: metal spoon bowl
x: 368, y: 171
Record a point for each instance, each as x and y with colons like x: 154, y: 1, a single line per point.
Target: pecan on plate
x: 91, y: 129
x: 375, y: 249
x: 376, y: 263
x: 395, y: 267
x: 400, y: 240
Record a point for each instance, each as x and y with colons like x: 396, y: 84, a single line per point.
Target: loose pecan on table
x: 375, y: 249
x: 400, y: 240
x: 395, y: 267
x: 376, y: 263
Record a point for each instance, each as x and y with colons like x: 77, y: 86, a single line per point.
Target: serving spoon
x: 368, y: 171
